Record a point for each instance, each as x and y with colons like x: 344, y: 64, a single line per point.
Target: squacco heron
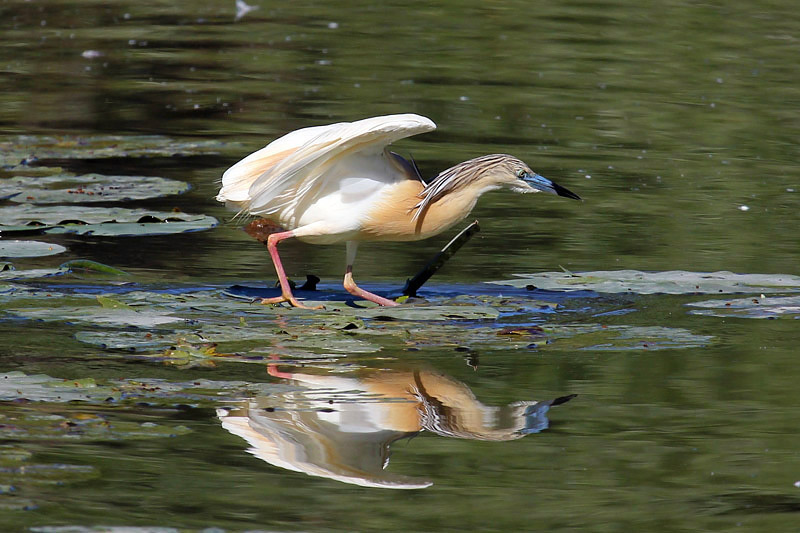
x: 328, y: 184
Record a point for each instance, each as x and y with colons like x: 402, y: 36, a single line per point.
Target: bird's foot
x: 355, y: 290
x: 292, y: 301
x: 380, y: 300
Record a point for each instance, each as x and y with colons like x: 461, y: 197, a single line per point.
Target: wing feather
x: 290, y: 168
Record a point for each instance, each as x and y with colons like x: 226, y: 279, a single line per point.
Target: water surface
x: 676, y: 123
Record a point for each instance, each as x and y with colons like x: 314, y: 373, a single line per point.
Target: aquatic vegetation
x: 87, y: 188
x: 24, y: 150
x: 25, y: 182
x: 671, y: 282
x: 759, y: 306
x: 99, y: 221
x: 15, y: 248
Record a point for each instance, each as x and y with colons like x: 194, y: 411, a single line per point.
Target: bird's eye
x: 521, y: 173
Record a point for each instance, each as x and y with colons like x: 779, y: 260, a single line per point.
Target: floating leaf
x: 337, y: 314
x: 671, y: 282
x: 11, y: 292
x: 464, y: 309
x: 23, y: 147
x: 328, y: 343
x: 105, y: 316
x: 194, y: 342
x: 128, y: 340
x: 10, y: 171
x: 149, y: 340
x: 193, y: 223
x: 16, y: 385
x: 29, y: 248
x: 111, y: 303
x: 600, y: 337
x: 99, y: 221
x: 11, y: 274
x: 68, y: 188
x: 41, y: 388
x: 766, y: 307
x: 433, y: 312
x: 196, y: 318
x: 562, y: 337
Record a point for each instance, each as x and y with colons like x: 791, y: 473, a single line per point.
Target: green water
x: 676, y: 122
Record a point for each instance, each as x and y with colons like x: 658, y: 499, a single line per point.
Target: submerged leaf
x: 93, y: 266
x: 19, y: 473
x: 671, y: 282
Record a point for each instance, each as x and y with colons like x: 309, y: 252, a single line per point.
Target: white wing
x: 297, y: 163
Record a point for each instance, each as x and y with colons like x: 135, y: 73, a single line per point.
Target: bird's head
x: 483, y: 174
x: 508, y: 171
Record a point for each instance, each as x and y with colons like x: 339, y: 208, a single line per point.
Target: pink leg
x: 286, y: 291
x: 351, y: 287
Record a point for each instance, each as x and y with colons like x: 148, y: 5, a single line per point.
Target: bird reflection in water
x: 342, y: 428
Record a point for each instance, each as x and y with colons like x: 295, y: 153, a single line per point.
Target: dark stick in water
x: 413, y: 284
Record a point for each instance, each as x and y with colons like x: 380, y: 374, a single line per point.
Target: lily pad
x: 9, y: 171
x: 32, y: 147
x: 671, y: 282
x: 17, y: 385
x: 12, y: 274
x: 105, y: 316
x: 754, y: 307
x: 455, y: 309
x: 337, y: 314
x: 104, y: 529
x: 48, y: 390
x: 558, y: 337
x: 29, y: 248
x: 622, y: 337
x: 178, y: 327
x: 100, y: 221
x: 203, y: 326
x: 68, y: 188
x: 41, y: 388
x: 194, y: 341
